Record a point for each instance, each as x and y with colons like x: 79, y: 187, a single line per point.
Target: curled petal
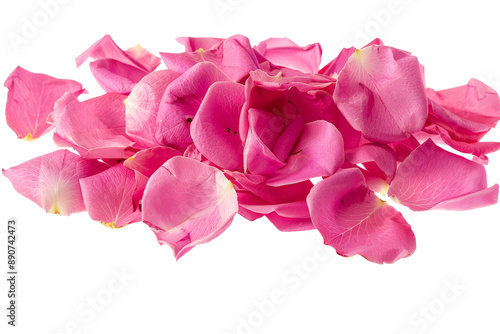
x: 215, y: 127
x: 319, y: 151
x: 114, y: 76
x: 382, y: 155
x: 149, y: 160
x: 234, y: 56
x: 181, y: 101
x: 195, y: 43
x: 476, y: 102
x: 187, y: 203
x: 95, y: 128
x: 284, y: 52
x: 106, y: 48
x: 432, y: 178
x: 142, y: 106
x: 353, y: 220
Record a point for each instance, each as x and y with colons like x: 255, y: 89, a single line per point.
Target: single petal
x: 116, y: 77
x: 284, y: 52
x: 142, y: 106
x: 354, y: 221
x: 31, y: 99
x: 51, y: 180
x: 476, y: 102
x: 108, y: 196
x: 95, y: 128
x: 215, y: 127
x: 181, y: 101
x: 319, y: 151
x: 149, y: 160
x: 432, y: 178
x: 380, y: 91
x: 106, y: 48
x: 187, y: 203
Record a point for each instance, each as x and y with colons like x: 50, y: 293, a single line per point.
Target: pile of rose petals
x: 230, y: 128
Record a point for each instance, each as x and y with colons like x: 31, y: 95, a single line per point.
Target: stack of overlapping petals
x: 229, y: 128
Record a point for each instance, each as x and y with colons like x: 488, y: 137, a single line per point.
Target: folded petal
x: 108, y: 196
x: 476, y: 102
x: 195, y: 43
x: 380, y: 91
x: 319, y: 151
x: 334, y: 67
x: 432, y: 178
x: 380, y: 154
x: 284, y: 52
x: 187, y: 203
x: 31, y: 99
x: 95, y: 128
x: 51, y: 180
x: 353, y: 220
x: 114, y: 76
x: 142, y: 106
x: 215, y: 127
x: 234, y: 56
x: 181, y: 101
x: 106, y: 48
x: 149, y: 160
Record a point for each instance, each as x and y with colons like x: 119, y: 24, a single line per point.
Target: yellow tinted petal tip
x: 29, y: 137
x: 110, y: 225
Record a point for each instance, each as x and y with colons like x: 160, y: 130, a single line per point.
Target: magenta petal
x: 142, y: 106
x: 106, y: 48
x: 319, y: 151
x: 108, y: 196
x: 475, y: 102
x: 334, y: 67
x: 114, y: 76
x: 187, y: 203
x: 181, y: 101
x: 382, y: 155
x: 51, y: 180
x: 31, y: 99
x: 215, y: 127
x: 148, y: 161
x: 381, y: 93
x: 284, y: 52
x: 234, y: 56
x: 354, y: 221
x: 264, y: 128
x: 195, y: 43
x: 95, y: 128
x: 288, y: 224
x: 432, y: 178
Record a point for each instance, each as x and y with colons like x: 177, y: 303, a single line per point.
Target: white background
x: 215, y: 287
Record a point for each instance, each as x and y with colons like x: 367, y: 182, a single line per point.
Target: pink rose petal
x: 380, y: 91
x: 432, y: 178
x: 51, y: 180
x: 187, y: 203
x: 355, y: 221
x: 108, y: 196
x: 31, y: 99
